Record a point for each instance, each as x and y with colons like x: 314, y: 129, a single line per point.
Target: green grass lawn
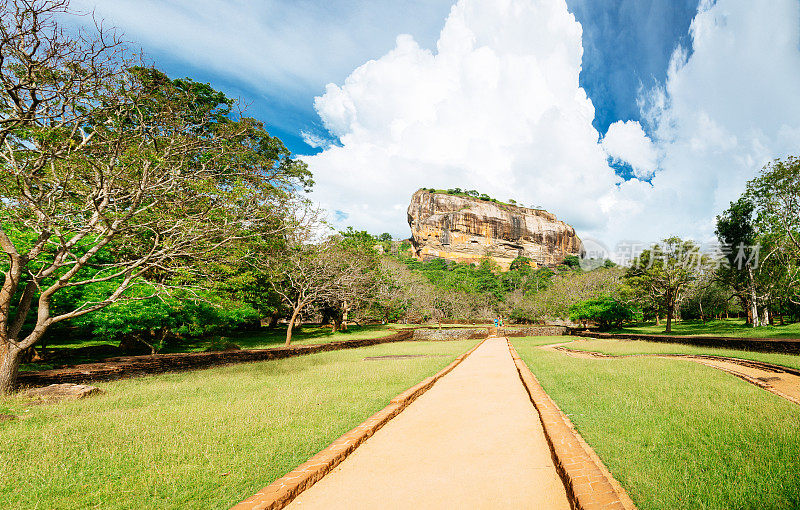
x: 202, y: 439
x: 543, y: 340
x: 307, y: 335
x: 725, y: 327
x: 260, y: 339
x: 625, y: 347
x: 677, y: 434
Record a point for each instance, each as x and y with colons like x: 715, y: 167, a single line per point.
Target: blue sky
x: 627, y: 44
x: 342, y: 34
x: 629, y: 119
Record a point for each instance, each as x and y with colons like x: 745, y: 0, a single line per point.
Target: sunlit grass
x: 677, y: 434
x: 259, y: 339
x: 201, y: 439
x: 627, y: 347
x: 725, y: 327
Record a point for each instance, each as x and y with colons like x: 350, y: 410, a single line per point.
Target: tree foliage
x: 605, y: 310
x: 662, y: 273
x: 336, y: 273
x: 111, y: 173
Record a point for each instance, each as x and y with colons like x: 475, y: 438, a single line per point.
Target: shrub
x: 521, y: 263
x: 572, y: 261
x: 606, y: 311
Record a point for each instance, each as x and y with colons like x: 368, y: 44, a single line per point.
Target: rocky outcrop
x: 465, y: 229
x: 63, y: 391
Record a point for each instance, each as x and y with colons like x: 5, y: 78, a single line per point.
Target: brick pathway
x: 472, y: 441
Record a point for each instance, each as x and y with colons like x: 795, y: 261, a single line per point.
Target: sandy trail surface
x: 782, y: 381
x: 474, y: 440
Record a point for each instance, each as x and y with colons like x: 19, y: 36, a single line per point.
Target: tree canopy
x: 111, y: 173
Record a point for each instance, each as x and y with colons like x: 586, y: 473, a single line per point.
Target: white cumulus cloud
x: 728, y: 107
x: 626, y: 142
x: 315, y: 140
x: 497, y: 107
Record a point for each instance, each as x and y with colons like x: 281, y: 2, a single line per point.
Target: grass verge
x: 725, y: 327
x: 628, y: 347
x: 678, y: 434
x: 261, y: 339
x: 202, y: 439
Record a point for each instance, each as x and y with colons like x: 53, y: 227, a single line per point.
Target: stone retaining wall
x: 789, y: 346
x: 116, y: 368
x: 534, y: 331
x: 445, y: 334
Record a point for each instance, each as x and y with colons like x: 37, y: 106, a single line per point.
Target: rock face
x: 465, y: 229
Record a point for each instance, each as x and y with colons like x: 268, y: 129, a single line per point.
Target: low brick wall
x: 789, y: 345
x: 445, y: 334
x: 534, y: 331
x: 116, y: 368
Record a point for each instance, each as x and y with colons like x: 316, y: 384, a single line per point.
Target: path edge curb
x: 282, y: 491
x: 589, y: 484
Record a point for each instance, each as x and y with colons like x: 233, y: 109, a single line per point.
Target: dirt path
x: 782, y: 381
x: 472, y: 441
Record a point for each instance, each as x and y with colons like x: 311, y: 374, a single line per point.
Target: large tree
x: 112, y: 173
x: 333, y: 272
x: 775, y: 194
x: 737, y: 234
x: 664, y: 272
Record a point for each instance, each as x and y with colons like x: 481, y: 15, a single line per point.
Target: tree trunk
x: 753, y: 298
x: 9, y: 368
x: 702, y: 317
x: 658, y: 319
x: 765, y: 316
x: 273, y: 320
x: 670, y: 311
x: 291, y: 325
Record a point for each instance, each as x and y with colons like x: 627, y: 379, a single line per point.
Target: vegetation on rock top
x: 473, y: 194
